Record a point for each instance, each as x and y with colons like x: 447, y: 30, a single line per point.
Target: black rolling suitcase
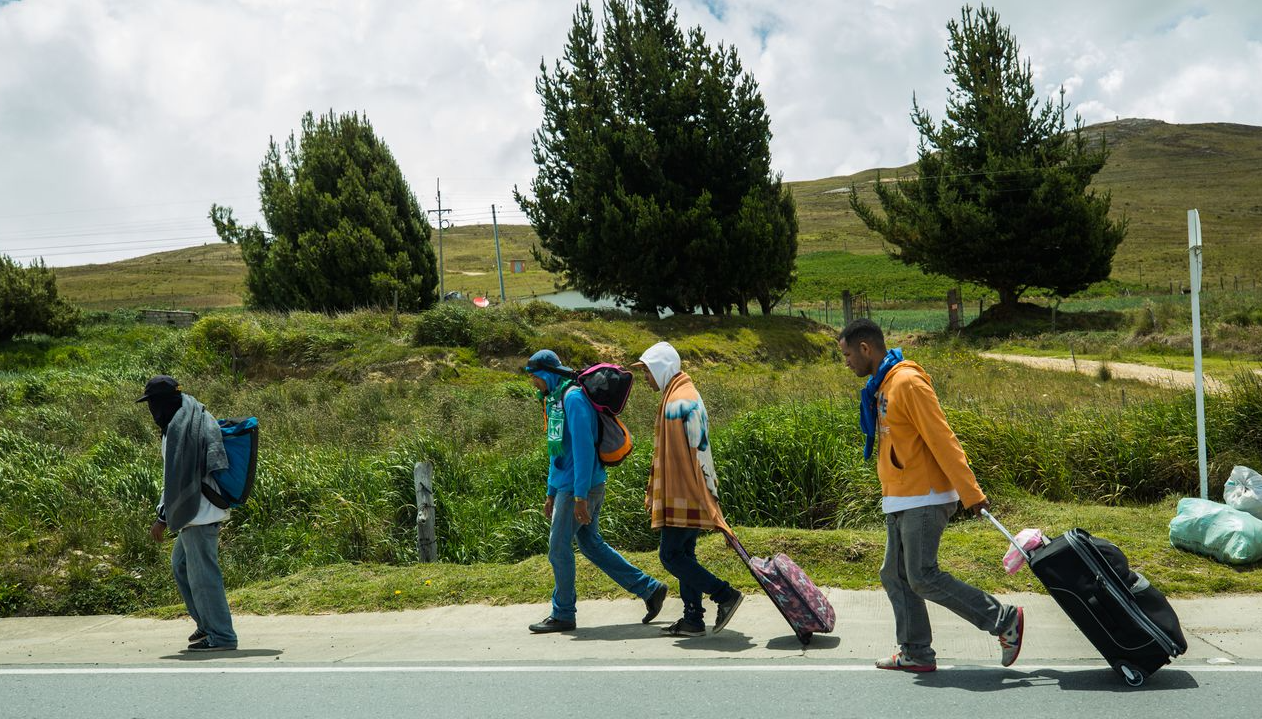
x: 1128, y: 620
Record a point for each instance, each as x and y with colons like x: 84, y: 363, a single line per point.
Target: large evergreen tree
x: 344, y: 229
x: 29, y: 302
x: 654, y: 183
x: 1000, y: 198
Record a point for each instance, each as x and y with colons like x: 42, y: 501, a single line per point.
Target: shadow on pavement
x: 232, y: 654
x: 618, y: 633
x: 790, y: 643
x: 725, y: 641
x: 1104, y: 680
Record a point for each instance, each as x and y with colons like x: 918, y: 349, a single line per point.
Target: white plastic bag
x: 1028, y: 539
x: 1244, y: 491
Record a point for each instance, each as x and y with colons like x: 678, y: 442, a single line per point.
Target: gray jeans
x: 195, y: 563
x: 911, y: 575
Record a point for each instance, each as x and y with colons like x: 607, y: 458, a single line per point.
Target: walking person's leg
x: 205, y: 582
x: 922, y: 535
x: 597, y: 550
x: 179, y: 568
x: 678, y: 553
x: 911, y: 616
x: 561, y: 557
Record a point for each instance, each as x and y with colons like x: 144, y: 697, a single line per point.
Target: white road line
x: 574, y: 669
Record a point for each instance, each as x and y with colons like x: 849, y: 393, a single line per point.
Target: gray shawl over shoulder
x: 194, y: 449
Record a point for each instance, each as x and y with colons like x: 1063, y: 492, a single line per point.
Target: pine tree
x: 1000, y: 198
x: 654, y: 181
x: 29, y: 302
x: 344, y: 229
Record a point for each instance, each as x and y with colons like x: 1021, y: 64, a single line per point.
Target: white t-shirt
x: 207, y: 513
x: 899, y: 504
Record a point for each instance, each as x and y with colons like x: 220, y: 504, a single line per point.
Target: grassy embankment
x: 348, y: 404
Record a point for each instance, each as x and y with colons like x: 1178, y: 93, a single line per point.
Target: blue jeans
x: 593, y: 546
x: 678, y: 553
x: 195, y: 563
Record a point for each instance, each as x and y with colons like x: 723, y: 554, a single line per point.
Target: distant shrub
x: 492, y: 331
x: 29, y: 302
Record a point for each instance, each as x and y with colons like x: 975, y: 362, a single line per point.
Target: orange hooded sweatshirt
x: 918, y: 450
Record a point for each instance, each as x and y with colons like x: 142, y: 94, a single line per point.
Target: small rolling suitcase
x: 1128, y: 620
x: 800, y: 602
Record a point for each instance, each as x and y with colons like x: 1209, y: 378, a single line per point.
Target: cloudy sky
x: 121, y: 121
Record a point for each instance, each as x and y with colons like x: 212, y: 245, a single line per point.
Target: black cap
x: 160, y: 386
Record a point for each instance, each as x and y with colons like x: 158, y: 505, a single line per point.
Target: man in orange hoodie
x: 924, y: 478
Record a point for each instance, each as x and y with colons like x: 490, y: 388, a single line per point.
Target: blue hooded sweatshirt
x: 578, y: 468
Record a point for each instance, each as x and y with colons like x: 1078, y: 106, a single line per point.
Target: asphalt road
x: 718, y: 689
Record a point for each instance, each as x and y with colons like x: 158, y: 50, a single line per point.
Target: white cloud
x: 145, y: 113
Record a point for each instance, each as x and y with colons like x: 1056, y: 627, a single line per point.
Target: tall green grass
x: 80, y: 471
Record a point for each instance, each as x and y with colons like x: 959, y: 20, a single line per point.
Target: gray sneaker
x: 1010, y: 638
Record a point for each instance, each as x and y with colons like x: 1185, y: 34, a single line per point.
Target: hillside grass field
x: 1156, y: 172
x: 348, y: 403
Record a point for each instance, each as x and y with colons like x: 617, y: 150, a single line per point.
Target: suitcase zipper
x: 1098, y: 568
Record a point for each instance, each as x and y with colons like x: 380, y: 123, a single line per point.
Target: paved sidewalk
x: 1217, y: 628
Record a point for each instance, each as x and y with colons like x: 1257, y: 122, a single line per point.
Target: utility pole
x: 438, y: 183
x: 499, y: 265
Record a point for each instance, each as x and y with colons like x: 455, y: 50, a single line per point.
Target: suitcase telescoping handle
x: 1006, y: 533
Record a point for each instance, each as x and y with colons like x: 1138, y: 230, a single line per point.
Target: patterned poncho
x: 683, y: 487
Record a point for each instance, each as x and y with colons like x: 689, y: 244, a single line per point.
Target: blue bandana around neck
x: 867, y: 399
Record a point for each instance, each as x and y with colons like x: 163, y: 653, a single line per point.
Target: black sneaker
x: 197, y: 636
x: 684, y: 628
x: 653, y: 604
x: 726, y: 610
x: 550, y: 625
x: 205, y: 645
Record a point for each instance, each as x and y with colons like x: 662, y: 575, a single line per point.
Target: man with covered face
x: 192, y: 451
x: 683, y: 495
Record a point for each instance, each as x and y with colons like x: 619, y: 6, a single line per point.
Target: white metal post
x: 1194, y: 267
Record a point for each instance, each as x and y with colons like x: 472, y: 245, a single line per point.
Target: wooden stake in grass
x: 426, y: 544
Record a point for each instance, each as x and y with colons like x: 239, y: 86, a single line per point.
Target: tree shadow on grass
x: 1103, y: 680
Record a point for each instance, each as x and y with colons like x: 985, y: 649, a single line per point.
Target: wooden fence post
x: 847, y: 307
x: 953, y: 310
x: 426, y: 544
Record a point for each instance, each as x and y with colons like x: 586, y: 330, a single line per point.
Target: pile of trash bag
x: 1230, y: 533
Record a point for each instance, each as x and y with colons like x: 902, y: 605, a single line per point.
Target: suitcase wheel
x: 804, y: 637
x: 1133, y: 676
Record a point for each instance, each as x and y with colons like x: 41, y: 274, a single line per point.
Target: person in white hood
x: 682, y: 495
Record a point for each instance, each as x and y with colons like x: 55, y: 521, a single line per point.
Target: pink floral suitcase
x: 803, y: 605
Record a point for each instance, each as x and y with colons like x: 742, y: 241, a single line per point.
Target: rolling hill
x: 1156, y: 172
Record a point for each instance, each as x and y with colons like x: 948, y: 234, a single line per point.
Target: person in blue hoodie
x: 576, y: 490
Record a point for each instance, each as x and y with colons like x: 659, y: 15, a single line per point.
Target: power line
x: 115, y: 207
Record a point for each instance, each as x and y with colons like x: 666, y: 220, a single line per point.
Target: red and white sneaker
x: 902, y: 662
x: 1010, y: 638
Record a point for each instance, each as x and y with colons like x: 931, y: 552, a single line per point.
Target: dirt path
x: 1120, y: 370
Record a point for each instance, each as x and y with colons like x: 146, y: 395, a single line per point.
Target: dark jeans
x: 679, y: 556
